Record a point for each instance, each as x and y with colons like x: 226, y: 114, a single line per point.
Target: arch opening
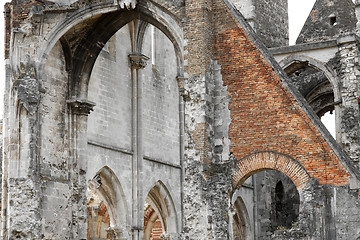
x: 315, y: 87
x: 134, y: 82
x: 266, y: 202
x: 241, y: 221
x: 269, y: 160
x: 160, y: 218
x: 318, y: 85
x: 106, y: 207
x: 86, y: 39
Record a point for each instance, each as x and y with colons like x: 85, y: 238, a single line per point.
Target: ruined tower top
x: 327, y: 20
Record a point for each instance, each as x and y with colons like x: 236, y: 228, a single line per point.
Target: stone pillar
x: 349, y: 80
x: 205, y: 212
x: 137, y: 62
x: 357, y: 14
x: 79, y: 111
x: 20, y: 199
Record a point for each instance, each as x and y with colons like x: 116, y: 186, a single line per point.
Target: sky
x: 298, y: 12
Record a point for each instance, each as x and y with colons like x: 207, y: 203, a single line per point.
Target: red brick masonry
x: 265, y: 115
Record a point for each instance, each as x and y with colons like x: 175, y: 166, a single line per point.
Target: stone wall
x: 328, y: 19
x: 181, y: 111
x: 268, y: 18
x: 272, y: 22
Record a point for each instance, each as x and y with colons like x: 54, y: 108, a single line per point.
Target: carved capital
x: 138, y: 61
x: 81, y: 106
x: 126, y: 4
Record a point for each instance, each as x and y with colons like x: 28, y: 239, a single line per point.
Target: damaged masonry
x: 181, y: 119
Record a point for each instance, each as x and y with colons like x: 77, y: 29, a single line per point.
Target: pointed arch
x: 241, y: 220
x: 108, y: 187
x: 270, y: 160
x: 294, y: 62
x: 105, y: 20
x: 162, y: 202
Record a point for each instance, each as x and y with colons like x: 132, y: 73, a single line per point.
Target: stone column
x: 20, y: 199
x: 79, y: 111
x: 350, y: 79
x: 137, y: 62
x: 181, y: 86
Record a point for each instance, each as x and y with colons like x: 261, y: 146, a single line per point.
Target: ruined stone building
x: 180, y: 119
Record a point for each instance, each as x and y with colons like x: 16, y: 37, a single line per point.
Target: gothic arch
x: 107, y: 186
x: 296, y: 61
x: 270, y: 160
x: 163, y: 204
x: 109, y: 19
x: 241, y: 220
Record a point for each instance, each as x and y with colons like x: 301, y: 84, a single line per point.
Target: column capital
x: 81, y: 106
x: 138, y: 60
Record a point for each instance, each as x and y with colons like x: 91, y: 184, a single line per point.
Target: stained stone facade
x: 182, y: 119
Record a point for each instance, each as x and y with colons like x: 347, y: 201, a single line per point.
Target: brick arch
x: 270, y: 160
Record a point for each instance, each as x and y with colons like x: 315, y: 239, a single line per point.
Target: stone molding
x: 138, y: 60
x: 81, y: 106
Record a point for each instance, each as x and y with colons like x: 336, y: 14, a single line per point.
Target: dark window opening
x: 333, y: 21
x: 279, y: 197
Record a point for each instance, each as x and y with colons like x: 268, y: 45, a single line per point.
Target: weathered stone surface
x: 127, y: 119
x: 328, y: 19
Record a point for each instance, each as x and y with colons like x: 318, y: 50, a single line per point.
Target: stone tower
x: 328, y: 20
x: 268, y: 18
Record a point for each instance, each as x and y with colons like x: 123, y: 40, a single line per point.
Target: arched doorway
x: 268, y: 202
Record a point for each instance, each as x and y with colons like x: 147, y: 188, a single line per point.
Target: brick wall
x: 265, y: 115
